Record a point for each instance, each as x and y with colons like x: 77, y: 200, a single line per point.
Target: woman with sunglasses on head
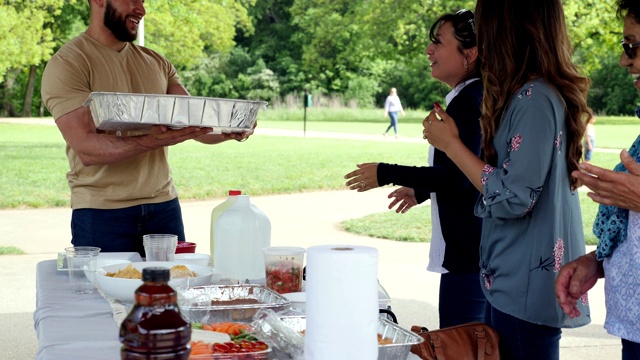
x: 534, y: 114
x: 617, y: 224
x: 455, y: 236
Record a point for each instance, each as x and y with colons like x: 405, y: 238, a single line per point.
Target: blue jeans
x: 522, y: 340
x: 393, y: 115
x: 121, y: 230
x: 630, y: 350
x: 461, y: 299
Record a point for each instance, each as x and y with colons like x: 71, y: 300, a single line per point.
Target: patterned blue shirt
x: 532, y: 223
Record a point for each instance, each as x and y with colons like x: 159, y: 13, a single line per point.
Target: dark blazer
x: 456, y: 195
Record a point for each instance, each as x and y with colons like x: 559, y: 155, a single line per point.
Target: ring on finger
x: 362, y: 185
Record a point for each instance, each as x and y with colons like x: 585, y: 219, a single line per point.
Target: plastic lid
x: 156, y: 274
x: 235, y: 192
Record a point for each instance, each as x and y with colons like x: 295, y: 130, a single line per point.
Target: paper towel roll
x: 342, y: 303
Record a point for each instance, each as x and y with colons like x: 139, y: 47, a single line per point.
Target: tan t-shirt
x: 82, y: 66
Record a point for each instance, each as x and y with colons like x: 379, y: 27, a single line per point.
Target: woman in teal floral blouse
x: 533, y: 121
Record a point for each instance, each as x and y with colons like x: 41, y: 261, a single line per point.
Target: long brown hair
x: 519, y: 41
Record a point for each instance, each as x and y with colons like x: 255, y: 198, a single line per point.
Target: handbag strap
x: 437, y: 346
x: 482, y: 341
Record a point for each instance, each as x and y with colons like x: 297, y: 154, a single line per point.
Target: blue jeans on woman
x: 393, y: 115
x: 523, y: 340
x: 121, y: 230
x: 461, y: 299
x: 630, y: 350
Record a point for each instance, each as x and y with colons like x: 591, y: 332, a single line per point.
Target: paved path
x: 303, y: 219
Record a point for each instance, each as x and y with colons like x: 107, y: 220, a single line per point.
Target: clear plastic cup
x: 82, y: 262
x: 160, y: 247
x: 283, y: 268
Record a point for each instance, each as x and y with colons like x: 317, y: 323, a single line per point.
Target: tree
x: 187, y: 31
x: 26, y: 41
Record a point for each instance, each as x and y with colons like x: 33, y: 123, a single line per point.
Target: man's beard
x: 117, y: 23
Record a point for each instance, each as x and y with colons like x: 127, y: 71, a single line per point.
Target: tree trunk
x: 28, y: 95
x: 6, y: 106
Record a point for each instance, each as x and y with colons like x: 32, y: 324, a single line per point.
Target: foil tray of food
x: 394, y: 342
x: 219, y: 303
x: 126, y: 112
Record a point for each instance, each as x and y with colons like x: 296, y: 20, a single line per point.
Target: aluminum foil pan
x: 198, y: 304
x: 138, y: 112
x: 399, y: 349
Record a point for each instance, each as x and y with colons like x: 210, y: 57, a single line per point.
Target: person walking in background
x: 534, y: 114
x: 392, y: 106
x: 121, y: 186
x: 453, y: 58
x: 590, y: 139
x: 617, y: 225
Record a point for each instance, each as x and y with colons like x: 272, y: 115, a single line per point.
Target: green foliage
x: 612, y: 90
x: 185, y: 31
x: 592, y: 26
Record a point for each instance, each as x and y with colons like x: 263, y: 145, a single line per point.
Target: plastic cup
x: 82, y: 262
x: 283, y: 268
x: 160, y: 247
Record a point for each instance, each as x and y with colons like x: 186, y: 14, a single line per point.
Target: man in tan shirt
x: 121, y: 187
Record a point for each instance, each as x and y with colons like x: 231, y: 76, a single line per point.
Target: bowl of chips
x: 120, y: 281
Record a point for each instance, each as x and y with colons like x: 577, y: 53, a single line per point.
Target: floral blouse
x: 532, y: 223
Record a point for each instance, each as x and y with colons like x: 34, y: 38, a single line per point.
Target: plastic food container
x: 283, y: 268
x: 261, y: 355
x: 218, y: 303
x: 185, y: 247
x: 138, y: 112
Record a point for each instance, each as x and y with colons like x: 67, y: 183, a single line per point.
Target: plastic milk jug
x: 239, y: 235
x: 215, y: 214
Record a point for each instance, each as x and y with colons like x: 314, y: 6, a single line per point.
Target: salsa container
x: 138, y: 112
x: 196, y: 302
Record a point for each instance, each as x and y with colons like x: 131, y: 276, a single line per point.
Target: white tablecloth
x: 71, y: 326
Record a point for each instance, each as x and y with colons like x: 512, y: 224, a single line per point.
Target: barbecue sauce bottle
x: 154, y: 329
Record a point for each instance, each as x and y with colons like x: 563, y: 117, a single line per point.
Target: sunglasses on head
x: 630, y: 49
x: 467, y: 16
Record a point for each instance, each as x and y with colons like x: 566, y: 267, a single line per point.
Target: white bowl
x: 102, y: 262
x: 192, y: 258
x: 123, y: 289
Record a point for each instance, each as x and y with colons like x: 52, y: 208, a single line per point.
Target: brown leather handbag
x: 471, y: 341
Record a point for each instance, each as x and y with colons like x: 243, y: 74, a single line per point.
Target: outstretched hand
x: 404, y: 197
x: 613, y: 188
x: 364, y: 178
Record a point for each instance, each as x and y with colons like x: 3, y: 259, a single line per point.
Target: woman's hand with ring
x: 364, y: 178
